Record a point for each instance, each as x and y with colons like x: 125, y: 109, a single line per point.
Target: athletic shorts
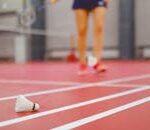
x: 88, y: 4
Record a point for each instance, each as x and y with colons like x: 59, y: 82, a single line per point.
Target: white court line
x: 67, y: 89
x: 37, y: 82
x: 99, y: 116
x: 73, y: 106
x: 125, y: 79
x: 80, y: 86
x: 126, y: 85
x: 129, y: 78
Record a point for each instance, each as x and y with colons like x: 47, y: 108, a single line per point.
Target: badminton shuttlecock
x: 92, y: 61
x: 25, y: 105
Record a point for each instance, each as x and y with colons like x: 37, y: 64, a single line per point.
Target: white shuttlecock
x: 25, y: 105
x: 92, y: 61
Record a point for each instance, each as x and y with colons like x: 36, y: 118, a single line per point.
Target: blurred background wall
x: 60, y: 26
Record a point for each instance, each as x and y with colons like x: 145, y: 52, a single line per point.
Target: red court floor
x: 118, y: 99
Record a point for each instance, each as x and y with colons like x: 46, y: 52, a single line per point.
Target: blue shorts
x: 88, y: 4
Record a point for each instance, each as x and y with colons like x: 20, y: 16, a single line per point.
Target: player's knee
x: 99, y: 28
x: 82, y: 30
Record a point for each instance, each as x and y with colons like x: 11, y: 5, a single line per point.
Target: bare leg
x: 82, y: 25
x: 99, y: 22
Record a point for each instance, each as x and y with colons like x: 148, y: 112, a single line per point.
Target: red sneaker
x: 83, y: 70
x: 99, y: 67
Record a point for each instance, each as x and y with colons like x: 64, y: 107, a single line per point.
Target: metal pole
x: 127, y: 29
x: 38, y: 43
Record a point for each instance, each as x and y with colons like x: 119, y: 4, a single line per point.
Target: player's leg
x: 99, y: 14
x: 82, y: 26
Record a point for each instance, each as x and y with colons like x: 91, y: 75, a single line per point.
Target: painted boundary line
x: 80, y: 86
x: 73, y: 106
x: 37, y: 82
x: 65, y: 90
x: 129, y: 78
x: 99, y: 116
x: 126, y: 85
